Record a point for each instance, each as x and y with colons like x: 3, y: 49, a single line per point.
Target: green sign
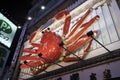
x: 7, y: 31
x: 5, y: 27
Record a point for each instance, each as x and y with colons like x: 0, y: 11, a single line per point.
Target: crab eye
x: 48, y: 28
x: 42, y: 31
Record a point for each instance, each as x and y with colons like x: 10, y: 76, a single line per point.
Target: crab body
x: 50, y: 48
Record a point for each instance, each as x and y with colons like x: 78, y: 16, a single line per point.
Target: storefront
x: 102, y: 56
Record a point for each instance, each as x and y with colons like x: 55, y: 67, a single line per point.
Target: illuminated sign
x: 7, y: 31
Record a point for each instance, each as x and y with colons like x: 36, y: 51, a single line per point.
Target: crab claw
x: 61, y: 14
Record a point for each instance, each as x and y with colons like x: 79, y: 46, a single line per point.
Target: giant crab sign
x: 52, y: 46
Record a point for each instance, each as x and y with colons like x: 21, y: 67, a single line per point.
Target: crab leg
x: 66, y: 25
x: 28, y: 65
x: 79, y: 23
x: 79, y: 44
x: 81, y: 32
x: 30, y: 51
x: 84, y: 39
x: 33, y: 63
x: 35, y: 35
x: 64, y: 14
x: 35, y: 67
x: 69, y: 59
x: 32, y: 36
x: 32, y: 58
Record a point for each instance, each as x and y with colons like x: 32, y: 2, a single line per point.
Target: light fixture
x: 42, y: 7
x: 29, y: 18
x: 19, y: 27
x: 90, y: 34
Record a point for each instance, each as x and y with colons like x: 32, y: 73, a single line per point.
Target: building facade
x: 102, y: 60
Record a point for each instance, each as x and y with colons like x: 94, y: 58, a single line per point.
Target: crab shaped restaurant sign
x: 50, y: 48
x: 7, y: 31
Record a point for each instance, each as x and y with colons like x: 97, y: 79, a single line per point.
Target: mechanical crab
x: 52, y: 46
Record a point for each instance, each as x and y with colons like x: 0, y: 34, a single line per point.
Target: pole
x: 90, y: 34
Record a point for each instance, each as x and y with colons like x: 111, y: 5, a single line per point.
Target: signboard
x: 7, y: 31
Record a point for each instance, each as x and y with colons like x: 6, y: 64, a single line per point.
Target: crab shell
x: 50, y: 47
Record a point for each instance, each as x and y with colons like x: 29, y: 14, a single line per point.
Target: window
x: 59, y: 78
x: 74, y: 76
x: 118, y: 2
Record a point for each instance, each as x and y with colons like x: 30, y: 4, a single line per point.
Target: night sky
x: 15, y: 10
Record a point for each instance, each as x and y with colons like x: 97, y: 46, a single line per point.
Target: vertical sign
x: 7, y: 31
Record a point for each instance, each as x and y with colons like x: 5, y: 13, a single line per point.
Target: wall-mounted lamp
x: 42, y: 7
x: 19, y: 27
x: 90, y: 34
x: 29, y: 18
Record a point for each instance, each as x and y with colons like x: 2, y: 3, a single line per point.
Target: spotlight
x: 90, y: 33
x: 19, y: 27
x: 42, y: 7
x: 29, y: 18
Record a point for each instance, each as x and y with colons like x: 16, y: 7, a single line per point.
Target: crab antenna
x: 90, y: 34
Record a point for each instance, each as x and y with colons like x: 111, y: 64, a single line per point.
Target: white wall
x: 85, y: 74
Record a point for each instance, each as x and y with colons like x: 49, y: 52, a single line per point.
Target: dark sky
x: 15, y: 10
